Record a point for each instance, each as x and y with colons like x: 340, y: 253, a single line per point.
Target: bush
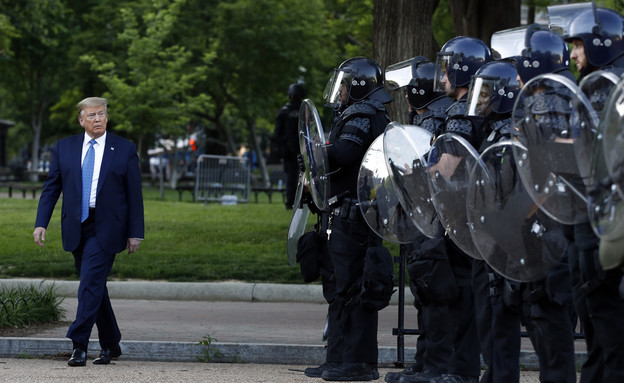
x: 24, y: 306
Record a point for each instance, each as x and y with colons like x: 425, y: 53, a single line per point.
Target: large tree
x: 259, y: 47
x: 402, y: 30
x: 32, y: 75
x: 481, y: 18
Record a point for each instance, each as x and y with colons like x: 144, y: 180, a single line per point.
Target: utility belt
x: 344, y: 208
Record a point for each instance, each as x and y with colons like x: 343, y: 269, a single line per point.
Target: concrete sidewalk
x: 237, y: 322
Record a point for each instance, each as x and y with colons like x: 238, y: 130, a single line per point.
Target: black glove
x: 301, y: 163
x: 306, y: 198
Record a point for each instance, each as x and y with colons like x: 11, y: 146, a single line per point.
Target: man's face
x: 344, y: 94
x: 578, y: 54
x: 449, y: 89
x: 93, y: 119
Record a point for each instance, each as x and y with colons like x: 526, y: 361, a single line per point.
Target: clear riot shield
x: 595, y: 88
x: 298, y: 222
x: 548, y: 167
x: 405, y: 150
x: 559, y: 16
x: 613, y: 140
x: 509, y: 42
x: 512, y: 235
x: 450, y: 161
x: 312, y: 147
x: 378, y: 198
x: 604, y: 200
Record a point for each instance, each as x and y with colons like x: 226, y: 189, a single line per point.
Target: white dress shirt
x: 99, y: 153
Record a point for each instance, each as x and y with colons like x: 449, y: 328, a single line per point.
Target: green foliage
x: 7, y: 32
x: 25, y: 306
x: 150, y: 92
x: 208, y: 351
x: 443, y: 22
x: 352, y: 23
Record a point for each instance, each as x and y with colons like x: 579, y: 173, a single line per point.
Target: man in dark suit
x: 102, y: 215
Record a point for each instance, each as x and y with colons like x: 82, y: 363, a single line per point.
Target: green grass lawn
x: 184, y: 241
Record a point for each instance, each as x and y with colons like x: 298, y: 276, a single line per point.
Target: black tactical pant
x: 600, y: 309
x: 543, y: 307
x: 352, y: 327
x: 444, y: 310
x: 499, y: 326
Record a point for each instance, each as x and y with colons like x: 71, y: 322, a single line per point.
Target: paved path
x: 259, y: 333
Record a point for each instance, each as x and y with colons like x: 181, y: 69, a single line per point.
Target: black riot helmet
x: 296, y: 91
x: 493, y: 89
x: 459, y: 59
x: 544, y: 52
x: 601, y: 31
x: 417, y: 76
x: 362, y: 79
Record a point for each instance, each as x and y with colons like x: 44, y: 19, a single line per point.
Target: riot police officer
x: 543, y: 306
x: 456, y: 62
x: 356, y: 90
x: 435, y: 344
x: 597, y: 36
x: 286, y: 136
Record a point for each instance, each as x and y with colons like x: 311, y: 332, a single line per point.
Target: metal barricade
x: 220, y: 178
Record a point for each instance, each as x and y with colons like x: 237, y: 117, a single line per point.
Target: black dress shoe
x: 317, y: 372
x: 78, y: 358
x: 106, y: 354
x: 350, y: 372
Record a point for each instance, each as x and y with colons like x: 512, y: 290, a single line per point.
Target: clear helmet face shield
x: 398, y: 75
x: 444, y: 73
x: 486, y: 95
x: 548, y: 164
x: 337, y: 89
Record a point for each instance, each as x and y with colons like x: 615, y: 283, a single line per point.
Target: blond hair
x: 91, y: 102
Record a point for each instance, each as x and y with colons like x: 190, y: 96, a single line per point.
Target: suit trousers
x: 93, y: 266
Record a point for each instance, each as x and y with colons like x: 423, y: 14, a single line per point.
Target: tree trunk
x: 36, y: 120
x: 402, y: 30
x: 481, y: 18
x: 259, y: 154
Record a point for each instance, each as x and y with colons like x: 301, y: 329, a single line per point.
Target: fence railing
x: 222, y: 179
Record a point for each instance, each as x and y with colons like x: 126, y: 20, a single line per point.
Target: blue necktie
x: 87, y: 178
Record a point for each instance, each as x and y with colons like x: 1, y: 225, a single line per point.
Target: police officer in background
x: 286, y: 137
x: 356, y: 91
x: 597, y: 37
x: 435, y: 343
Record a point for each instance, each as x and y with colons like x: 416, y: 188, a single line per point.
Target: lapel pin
x: 112, y: 148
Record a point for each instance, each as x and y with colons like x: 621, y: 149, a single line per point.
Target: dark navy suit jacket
x: 119, y: 199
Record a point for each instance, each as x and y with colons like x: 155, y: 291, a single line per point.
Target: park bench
x: 277, y: 179
x: 24, y: 187
x: 186, y: 183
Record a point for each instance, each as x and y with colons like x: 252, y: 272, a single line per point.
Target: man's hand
x: 39, y: 235
x: 133, y: 245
